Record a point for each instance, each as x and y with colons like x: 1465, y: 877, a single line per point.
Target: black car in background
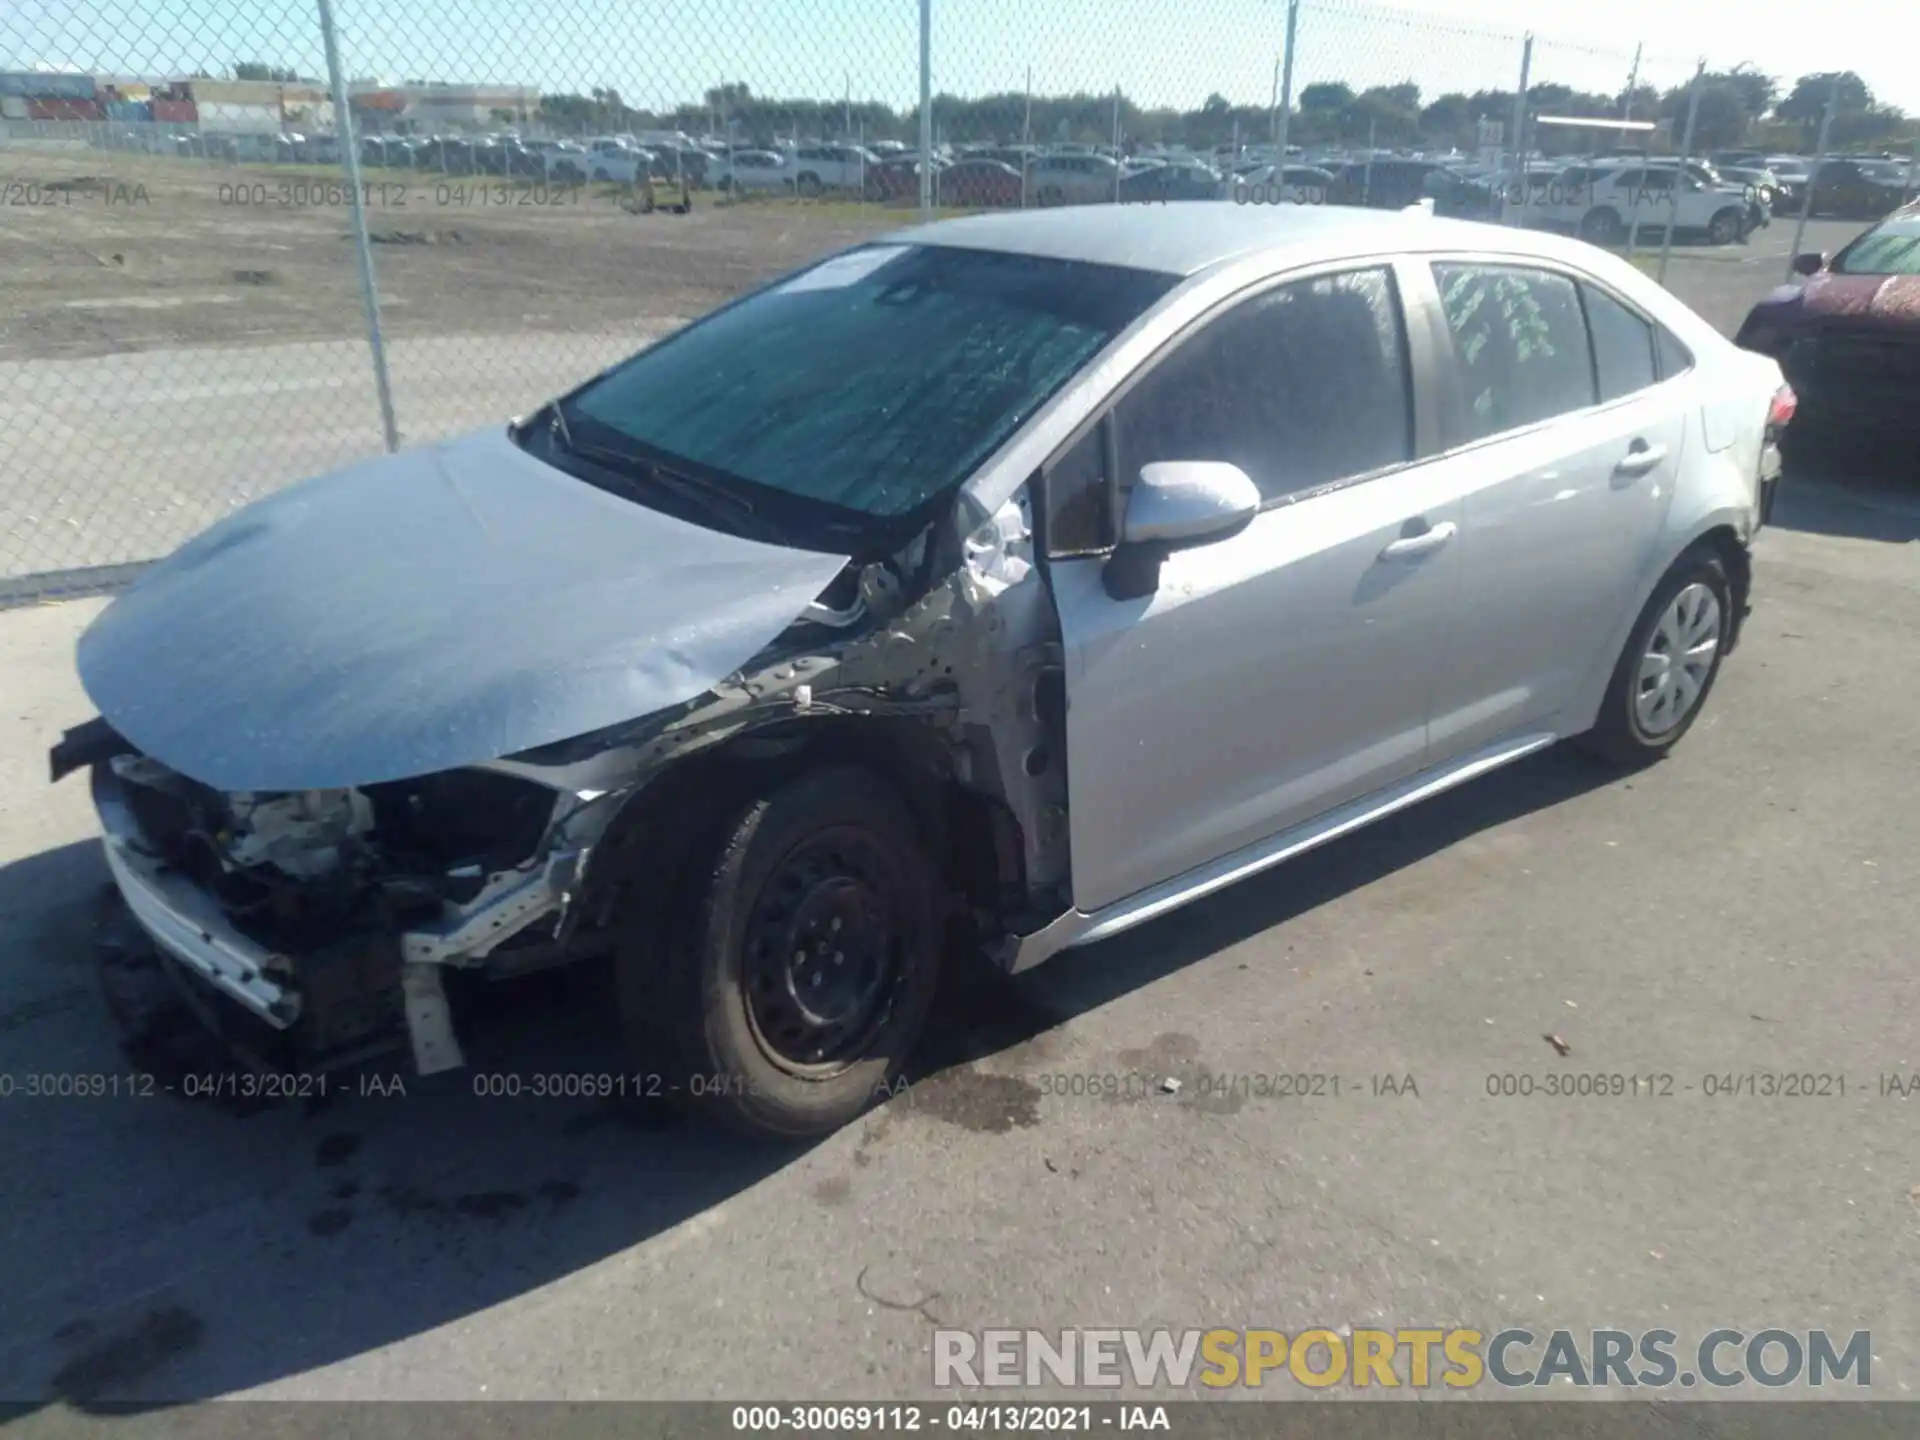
x: 1845, y: 188
x: 1385, y: 184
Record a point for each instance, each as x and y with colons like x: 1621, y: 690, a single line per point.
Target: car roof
x: 1186, y: 239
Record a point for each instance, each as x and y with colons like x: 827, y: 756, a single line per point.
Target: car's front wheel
x: 802, y: 963
x: 1726, y: 226
x: 1663, y: 677
x: 1602, y: 226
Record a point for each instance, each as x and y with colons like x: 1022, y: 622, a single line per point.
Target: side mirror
x: 1810, y: 263
x: 1172, y: 506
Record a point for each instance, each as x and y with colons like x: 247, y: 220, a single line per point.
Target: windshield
x: 856, y: 395
x: 1892, y: 248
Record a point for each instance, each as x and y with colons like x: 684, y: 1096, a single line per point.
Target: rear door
x: 1565, y: 448
x: 1287, y: 669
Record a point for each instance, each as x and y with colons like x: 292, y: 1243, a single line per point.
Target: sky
x: 658, y: 53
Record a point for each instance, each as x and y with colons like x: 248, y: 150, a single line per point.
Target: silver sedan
x: 1005, y: 582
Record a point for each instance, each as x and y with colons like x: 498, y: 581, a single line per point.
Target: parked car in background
x: 1606, y: 205
x: 1762, y: 181
x: 1219, y: 533
x: 1282, y: 185
x: 748, y: 171
x: 896, y: 177
x: 977, y: 184
x: 1161, y: 182
x: 569, y: 163
x: 1072, y: 178
x: 1384, y: 184
x: 1849, y: 342
x: 819, y: 168
x: 1849, y: 190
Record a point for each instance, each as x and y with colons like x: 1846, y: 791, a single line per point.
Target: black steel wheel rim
x: 824, y: 952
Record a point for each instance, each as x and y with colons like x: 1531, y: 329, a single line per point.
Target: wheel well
x: 1725, y: 542
x: 672, y: 822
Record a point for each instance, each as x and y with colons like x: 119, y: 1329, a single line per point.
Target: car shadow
x: 1847, y: 503
x: 163, y: 1249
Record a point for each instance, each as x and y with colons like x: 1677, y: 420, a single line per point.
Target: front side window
x: 1079, y: 499
x: 1300, y: 387
x: 857, y: 394
x: 1521, y: 344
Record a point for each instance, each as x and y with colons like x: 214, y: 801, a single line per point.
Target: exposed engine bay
x: 329, y: 915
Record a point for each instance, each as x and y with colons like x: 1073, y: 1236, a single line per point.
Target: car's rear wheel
x: 791, y: 985
x: 1668, y: 667
x: 808, y: 186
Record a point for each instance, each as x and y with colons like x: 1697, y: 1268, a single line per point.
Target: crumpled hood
x: 424, y: 611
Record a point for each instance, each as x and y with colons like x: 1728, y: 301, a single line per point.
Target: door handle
x: 1640, y: 458
x: 1432, y: 538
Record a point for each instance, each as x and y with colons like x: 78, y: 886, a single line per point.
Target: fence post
x: 1813, y: 174
x: 1519, y: 176
x: 926, y: 110
x: 1285, y: 113
x: 1680, y: 178
x: 362, y: 246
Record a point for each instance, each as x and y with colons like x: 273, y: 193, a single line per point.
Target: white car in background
x: 819, y: 168
x: 1605, y: 202
x: 1072, y: 178
x: 749, y: 170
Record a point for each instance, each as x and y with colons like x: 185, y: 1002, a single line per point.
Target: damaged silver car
x: 1004, y: 583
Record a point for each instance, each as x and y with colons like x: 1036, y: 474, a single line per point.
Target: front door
x: 1282, y: 671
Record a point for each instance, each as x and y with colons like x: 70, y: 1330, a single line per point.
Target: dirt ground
x: 108, y: 253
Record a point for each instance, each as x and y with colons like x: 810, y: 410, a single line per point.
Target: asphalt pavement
x: 1743, y: 908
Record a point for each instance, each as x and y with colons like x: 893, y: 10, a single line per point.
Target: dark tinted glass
x: 1520, y: 341
x: 1675, y: 358
x: 1622, y: 345
x: 1079, y: 500
x: 870, y: 384
x: 1299, y: 387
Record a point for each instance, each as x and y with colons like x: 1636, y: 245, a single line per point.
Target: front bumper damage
x: 368, y: 989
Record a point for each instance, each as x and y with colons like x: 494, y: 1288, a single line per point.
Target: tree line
x: 1736, y: 107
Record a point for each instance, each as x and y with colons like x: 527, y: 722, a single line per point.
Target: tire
x: 1602, y: 226
x: 816, y: 903
x: 1726, y: 226
x: 1625, y: 734
x: 808, y: 186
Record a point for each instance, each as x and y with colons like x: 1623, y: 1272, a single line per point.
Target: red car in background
x: 1848, y: 340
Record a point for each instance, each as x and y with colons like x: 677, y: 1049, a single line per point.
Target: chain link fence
x: 250, y: 243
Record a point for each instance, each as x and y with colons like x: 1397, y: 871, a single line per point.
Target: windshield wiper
x: 632, y: 467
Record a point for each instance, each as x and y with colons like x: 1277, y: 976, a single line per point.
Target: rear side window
x: 1675, y: 358
x: 1300, y: 387
x: 1623, y: 356
x: 1521, y: 344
